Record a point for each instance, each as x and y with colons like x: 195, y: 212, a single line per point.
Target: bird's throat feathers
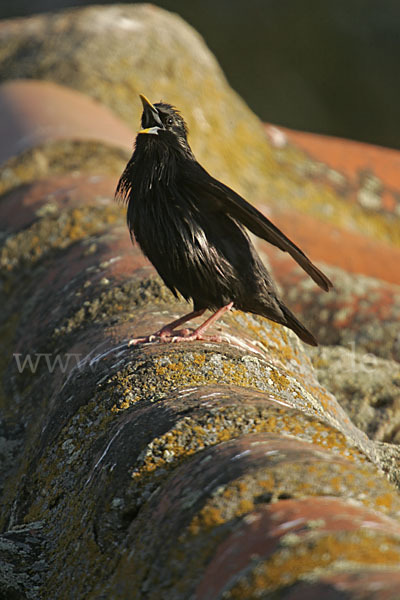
x: 152, y: 165
x: 155, y: 162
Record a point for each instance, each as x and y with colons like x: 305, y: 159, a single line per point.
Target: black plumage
x: 192, y: 229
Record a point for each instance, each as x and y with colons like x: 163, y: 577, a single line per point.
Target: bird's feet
x: 193, y: 337
x: 169, y: 333
x: 173, y: 337
x: 161, y: 336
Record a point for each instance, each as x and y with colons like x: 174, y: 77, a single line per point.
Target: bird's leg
x: 198, y: 333
x: 167, y: 331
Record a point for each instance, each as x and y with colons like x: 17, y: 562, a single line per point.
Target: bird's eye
x: 170, y: 121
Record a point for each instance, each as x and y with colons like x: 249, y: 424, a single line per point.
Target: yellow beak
x: 146, y: 103
x: 151, y: 130
x: 151, y: 116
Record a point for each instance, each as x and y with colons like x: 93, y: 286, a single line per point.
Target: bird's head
x: 164, y: 121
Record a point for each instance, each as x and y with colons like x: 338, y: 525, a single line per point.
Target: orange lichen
x: 286, y: 565
x: 207, y: 518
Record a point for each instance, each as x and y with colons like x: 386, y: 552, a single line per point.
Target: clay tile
x: 33, y: 112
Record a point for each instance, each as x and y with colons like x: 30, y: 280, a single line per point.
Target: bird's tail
x: 294, y: 324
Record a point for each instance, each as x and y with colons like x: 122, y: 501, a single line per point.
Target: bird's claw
x: 181, y: 336
x: 136, y: 341
x: 194, y: 337
x: 160, y: 337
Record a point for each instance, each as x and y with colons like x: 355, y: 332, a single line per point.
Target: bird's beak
x: 150, y: 120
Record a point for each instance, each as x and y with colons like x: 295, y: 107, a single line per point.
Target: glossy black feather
x: 218, y: 197
x: 192, y: 227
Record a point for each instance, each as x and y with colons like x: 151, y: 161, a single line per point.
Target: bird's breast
x: 158, y: 219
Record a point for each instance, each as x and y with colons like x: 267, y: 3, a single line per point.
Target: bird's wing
x: 215, y: 196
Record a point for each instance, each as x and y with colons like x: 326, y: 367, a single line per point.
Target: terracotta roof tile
x: 34, y: 112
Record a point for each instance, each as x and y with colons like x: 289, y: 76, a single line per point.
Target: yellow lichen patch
x: 286, y: 565
x: 50, y: 469
x: 199, y: 370
x: 182, y: 370
x: 178, y: 369
x: 289, y: 476
x: 293, y: 183
x: 122, y: 390
x: 221, y: 424
x: 291, y: 375
x: 385, y: 501
x: 208, y: 518
x: 267, y: 481
x: 189, y: 436
x: 225, y: 507
x: 76, y: 536
x: 70, y: 515
x: 236, y: 373
x: 60, y: 157
x: 55, y: 231
x: 192, y: 434
x: 279, y: 379
x: 244, y: 506
x: 326, y: 437
x: 282, y: 350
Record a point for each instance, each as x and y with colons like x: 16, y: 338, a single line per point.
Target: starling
x: 192, y: 228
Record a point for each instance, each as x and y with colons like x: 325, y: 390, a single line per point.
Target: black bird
x: 192, y: 229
